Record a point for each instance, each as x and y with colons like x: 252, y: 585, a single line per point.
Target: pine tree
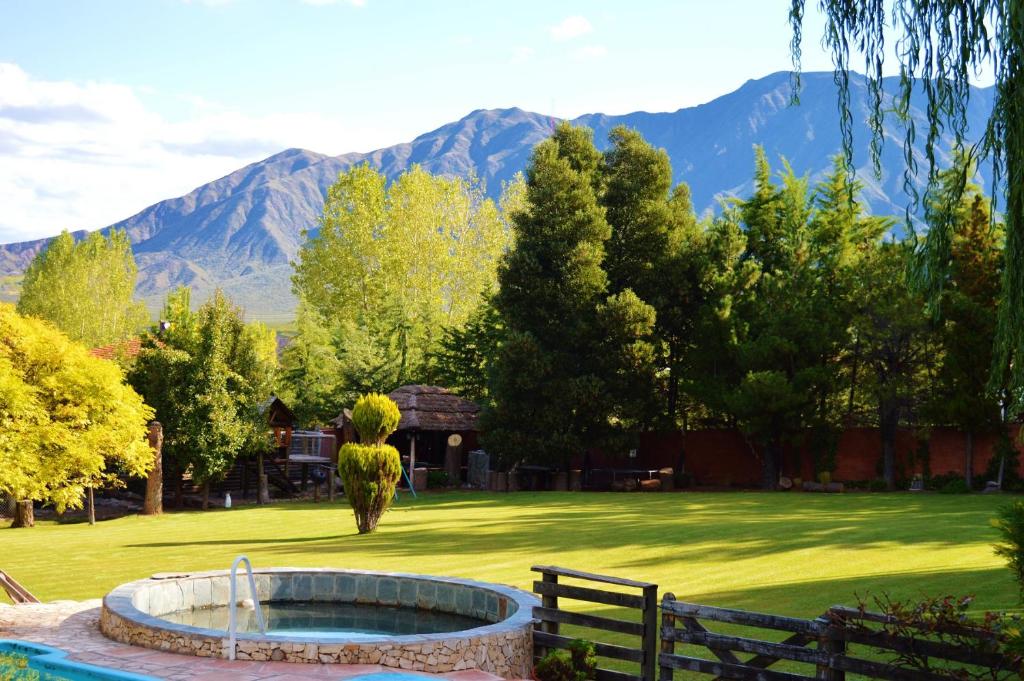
x: 547, y: 393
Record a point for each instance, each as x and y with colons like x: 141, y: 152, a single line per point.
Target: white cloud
x: 590, y: 52
x: 569, y: 28
x: 85, y: 155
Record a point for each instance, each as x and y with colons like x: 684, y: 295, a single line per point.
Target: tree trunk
x: 772, y: 453
x: 206, y: 495
x: 92, y: 505
x: 262, y: 490
x: 24, y: 514
x: 969, y: 459
x: 673, y: 384
x: 154, y: 503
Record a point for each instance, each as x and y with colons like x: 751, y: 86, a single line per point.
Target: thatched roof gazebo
x: 431, y: 415
x: 437, y: 425
x: 429, y: 408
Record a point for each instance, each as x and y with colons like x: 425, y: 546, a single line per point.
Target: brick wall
x: 722, y: 457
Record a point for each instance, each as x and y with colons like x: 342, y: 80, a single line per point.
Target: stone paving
x: 73, y: 626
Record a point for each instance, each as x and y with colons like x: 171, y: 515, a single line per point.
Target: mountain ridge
x: 240, y: 231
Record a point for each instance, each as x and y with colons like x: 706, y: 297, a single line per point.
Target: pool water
x: 21, y: 661
x: 291, y: 617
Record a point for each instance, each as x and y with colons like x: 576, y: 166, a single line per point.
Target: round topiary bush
x: 370, y: 470
x: 375, y: 416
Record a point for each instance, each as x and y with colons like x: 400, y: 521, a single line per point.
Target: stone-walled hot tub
x: 406, y: 621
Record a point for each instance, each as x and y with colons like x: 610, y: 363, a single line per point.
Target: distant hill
x: 240, y: 232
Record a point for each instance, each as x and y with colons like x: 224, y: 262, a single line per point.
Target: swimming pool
x: 51, y: 664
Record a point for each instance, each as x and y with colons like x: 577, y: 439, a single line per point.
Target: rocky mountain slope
x: 241, y: 231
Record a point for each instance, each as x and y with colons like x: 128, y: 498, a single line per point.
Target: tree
x: 964, y: 393
x: 940, y: 45
x: 791, y: 327
x: 206, y: 379
x: 651, y: 253
x: 892, y: 334
x: 545, y: 390
x: 555, y: 376
x: 391, y: 266
x: 311, y: 371
x: 370, y: 469
x: 462, y: 361
x: 68, y: 421
x: 85, y: 288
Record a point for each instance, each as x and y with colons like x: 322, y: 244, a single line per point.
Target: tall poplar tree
x: 85, y: 289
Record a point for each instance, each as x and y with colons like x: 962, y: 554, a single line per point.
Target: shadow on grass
x: 730, y: 526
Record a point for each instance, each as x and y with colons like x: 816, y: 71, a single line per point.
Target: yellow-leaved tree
x: 68, y: 421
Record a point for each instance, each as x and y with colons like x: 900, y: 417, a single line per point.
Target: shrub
x: 437, y: 479
x: 944, y: 621
x: 1010, y: 524
x: 584, y: 658
x: 955, y: 486
x: 937, y: 482
x: 877, y: 485
x: 375, y: 416
x: 556, y: 666
x: 577, y: 663
x: 369, y: 473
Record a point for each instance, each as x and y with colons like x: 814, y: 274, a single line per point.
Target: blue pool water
x: 51, y: 664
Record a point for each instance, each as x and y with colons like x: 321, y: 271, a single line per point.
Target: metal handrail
x: 233, y: 604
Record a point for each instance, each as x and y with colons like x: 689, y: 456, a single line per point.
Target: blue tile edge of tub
x: 48, y: 659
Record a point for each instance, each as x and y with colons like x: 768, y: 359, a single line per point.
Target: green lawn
x: 785, y: 553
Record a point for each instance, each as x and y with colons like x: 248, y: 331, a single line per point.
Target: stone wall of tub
x: 503, y: 646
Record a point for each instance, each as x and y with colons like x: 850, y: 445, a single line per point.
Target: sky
x: 109, y: 106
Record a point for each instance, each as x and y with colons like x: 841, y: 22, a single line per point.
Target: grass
x: 792, y: 554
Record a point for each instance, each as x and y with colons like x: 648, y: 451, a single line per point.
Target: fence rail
x: 831, y: 635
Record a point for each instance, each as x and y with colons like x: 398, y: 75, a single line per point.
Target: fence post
x: 651, y: 633
x: 829, y: 645
x: 550, y: 602
x: 668, y: 645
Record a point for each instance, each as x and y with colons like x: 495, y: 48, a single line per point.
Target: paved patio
x: 73, y: 626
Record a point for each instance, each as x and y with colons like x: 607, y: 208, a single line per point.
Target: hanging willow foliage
x: 939, y: 45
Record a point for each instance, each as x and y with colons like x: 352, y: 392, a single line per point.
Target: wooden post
x: 547, y: 602
x: 668, y: 646
x: 453, y: 459
x: 829, y: 644
x: 652, y: 634
x: 412, y: 461
x: 154, y: 503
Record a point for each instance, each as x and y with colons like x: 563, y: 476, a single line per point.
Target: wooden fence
x: 832, y: 634
x: 550, y: 615
x: 841, y: 641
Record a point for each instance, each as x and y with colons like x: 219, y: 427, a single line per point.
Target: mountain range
x: 240, y: 232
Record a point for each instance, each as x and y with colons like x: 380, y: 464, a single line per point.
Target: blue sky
x: 107, y: 106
